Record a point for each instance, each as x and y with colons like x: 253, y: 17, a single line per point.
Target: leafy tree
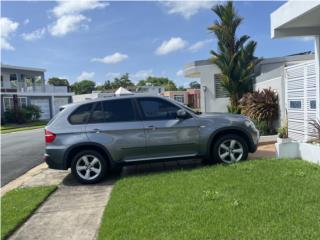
x: 55, y: 81
x: 159, y: 81
x: 123, y: 81
x: 181, y: 88
x: 235, y: 56
x: 194, y: 85
x: 106, y: 86
x: 83, y: 87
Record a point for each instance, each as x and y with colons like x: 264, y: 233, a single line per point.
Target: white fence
x: 301, y: 100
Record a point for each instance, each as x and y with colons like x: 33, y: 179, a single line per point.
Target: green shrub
x: 23, y: 114
x: 283, y: 132
x: 263, y: 128
x: 234, y: 109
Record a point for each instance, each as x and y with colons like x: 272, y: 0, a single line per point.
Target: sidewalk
x: 74, y: 211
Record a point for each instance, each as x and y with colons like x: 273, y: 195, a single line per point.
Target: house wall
x: 209, y: 102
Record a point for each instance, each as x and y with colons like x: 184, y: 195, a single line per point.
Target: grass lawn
x: 262, y: 199
x: 7, y: 128
x: 17, y: 205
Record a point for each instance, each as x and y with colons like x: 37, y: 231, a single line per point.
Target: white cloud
x: 35, y: 35
x: 86, y: 76
x: 69, y: 17
x: 187, y: 8
x: 7, y: 27
x: 198, y: 45
x: 180, y: 73
x: 26, y: 21
x: 174, y: 44
x: 67, y: 24
x: 75, y: 7
x: 141, y: 75
x: 111, y: 59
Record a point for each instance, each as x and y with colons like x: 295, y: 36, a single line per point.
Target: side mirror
x: 182, y: 114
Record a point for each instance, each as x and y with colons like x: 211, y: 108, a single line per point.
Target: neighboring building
x: 28, y: 85
x: 90, y: 96
x: 270, y: 73
x: 151, y: 90
x: 302, y: 83
x: 190, y: 97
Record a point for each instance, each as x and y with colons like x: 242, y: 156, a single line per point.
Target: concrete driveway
x: 20, y: 151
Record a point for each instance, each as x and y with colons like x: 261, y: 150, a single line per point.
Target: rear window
x: 81, y: 114
x: 118, y: 110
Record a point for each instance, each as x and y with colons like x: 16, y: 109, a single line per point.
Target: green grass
x: 7, y: 128
x: 261, y: 199
x: 17, y: 205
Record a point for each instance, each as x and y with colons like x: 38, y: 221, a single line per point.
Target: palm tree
x: 235, y: 56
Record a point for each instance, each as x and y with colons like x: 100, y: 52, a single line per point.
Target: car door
x: 115, y: 124
x: 166, y: 135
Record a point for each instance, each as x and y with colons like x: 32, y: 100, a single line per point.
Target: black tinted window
x: 157, y: 109
x: 97, y: 115
x: 81, y: 114
x: 118, y: 111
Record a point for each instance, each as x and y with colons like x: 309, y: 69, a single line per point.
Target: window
x: 157, y: 109
x: 8, y: 102
x: 13, y: 80
x: 1, y: 81
x: 97, y: 115
x: 295, y: 104
x: 313, y: 104
x: 118, y: 111
x: 179, y: 98
x: 219, y: 89
x: 81, y: 114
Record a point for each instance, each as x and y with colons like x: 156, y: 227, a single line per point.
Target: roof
x: 22, y: 68
x: 122, y: 91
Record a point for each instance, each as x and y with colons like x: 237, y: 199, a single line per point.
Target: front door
x: 167, y: 136
x: 115, y: 124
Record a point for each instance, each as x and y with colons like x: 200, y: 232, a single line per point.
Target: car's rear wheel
x: 89, y: 167
x: 230, y: 148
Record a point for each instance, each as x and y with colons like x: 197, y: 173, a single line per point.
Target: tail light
x: 49, y: 136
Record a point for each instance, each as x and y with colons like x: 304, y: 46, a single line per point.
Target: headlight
x: 250, y: 124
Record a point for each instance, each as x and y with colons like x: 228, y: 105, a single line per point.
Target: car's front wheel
x: 230, y: 148
x: 88, y: 167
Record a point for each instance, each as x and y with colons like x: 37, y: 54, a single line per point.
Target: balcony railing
x: 38, y: 89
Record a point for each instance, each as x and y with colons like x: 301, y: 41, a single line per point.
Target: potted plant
x: 283, y: 136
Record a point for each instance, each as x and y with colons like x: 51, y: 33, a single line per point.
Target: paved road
x: 20, y: 152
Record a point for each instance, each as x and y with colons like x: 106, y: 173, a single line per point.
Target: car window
x: 118, y: 111
x: 97, y: 115
x: 81, y: 114
x: 157, y: 109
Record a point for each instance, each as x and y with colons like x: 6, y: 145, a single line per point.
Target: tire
x: 230, y: 148
x: 89, y: 167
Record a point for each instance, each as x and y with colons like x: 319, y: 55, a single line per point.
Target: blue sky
x: 100, y: 40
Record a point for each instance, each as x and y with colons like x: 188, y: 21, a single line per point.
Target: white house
x: 27, y: 86
x: 302, y: 82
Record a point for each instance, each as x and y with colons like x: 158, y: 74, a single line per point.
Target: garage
x: 58, y: 102
x: 44, y: 105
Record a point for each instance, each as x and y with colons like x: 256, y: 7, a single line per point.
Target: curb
x: 23, y: 178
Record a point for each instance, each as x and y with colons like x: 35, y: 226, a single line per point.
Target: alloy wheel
x: 88, y: 167
x: 230, y: 151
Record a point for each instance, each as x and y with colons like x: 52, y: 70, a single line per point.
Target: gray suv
x: 99, y: 135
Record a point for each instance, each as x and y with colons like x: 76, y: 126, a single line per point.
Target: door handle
x: 152, y: 127
x: 96, y: 130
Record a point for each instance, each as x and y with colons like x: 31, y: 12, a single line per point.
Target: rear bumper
x: 53, y: 164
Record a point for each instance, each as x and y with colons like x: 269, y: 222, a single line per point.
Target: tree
x: 181, y: 88
x: 106, y: 86
x: 159, y: 81
x: 55, y: 81
x: 123, y: 81
x: 83, y: 87
x: 194, y: 85
x: 235, y: 56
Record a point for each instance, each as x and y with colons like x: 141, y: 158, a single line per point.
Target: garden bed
x: 261, y: 199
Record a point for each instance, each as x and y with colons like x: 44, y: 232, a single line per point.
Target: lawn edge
x: 23, y: 221
x: 21, y: 129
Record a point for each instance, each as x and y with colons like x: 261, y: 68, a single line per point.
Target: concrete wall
x: 209, y: 102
